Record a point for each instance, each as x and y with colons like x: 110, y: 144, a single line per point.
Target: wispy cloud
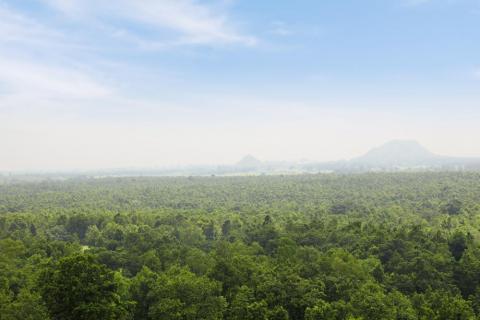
x: 192, y: 22
x: 34, y: 68
x: 280, y: 28
x: 415, y: 3
x: 17, y: 29
x: 476, y: 74
x: 25, y: 77
x: 47, y: 65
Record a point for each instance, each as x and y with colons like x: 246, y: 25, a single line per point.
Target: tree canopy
x: 396, y: 246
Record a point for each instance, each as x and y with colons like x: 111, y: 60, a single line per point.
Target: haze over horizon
x: 87, y: 84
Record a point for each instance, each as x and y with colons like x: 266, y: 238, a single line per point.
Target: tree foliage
x: 400, y: 246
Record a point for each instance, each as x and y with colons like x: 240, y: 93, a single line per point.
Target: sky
x: 90, y: 84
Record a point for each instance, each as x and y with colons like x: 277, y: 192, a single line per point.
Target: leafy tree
x: 322, y: 310
x: 78, y: 287
x: 448, y: 306
x: 457, y: 245
x: 370, y: 302
x: 141, y: 291
x: 180, y: 294
x: 26, y: 305
x: 453, y: 207
x: 226, y: 227
x: 79, y: 224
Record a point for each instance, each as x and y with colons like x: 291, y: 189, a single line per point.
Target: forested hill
x: 361, y: 246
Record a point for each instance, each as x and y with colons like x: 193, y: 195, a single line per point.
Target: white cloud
x: 193, y: 22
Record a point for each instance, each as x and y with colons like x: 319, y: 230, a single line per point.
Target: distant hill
x: 398, y: 153
x: 408, y: 154
x: 249, y: 161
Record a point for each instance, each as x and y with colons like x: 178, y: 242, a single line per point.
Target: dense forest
x: 396, y: 246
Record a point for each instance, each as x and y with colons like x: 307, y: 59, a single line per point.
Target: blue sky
x: 90, y: 84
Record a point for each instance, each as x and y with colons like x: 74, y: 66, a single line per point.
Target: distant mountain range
x: 396, y: 155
